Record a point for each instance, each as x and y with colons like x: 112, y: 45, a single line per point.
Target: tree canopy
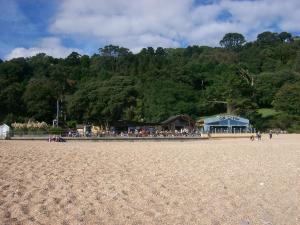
x: 157, y: 83
x: 233, y: 41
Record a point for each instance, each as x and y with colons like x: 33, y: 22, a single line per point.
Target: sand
x: 217, y: 182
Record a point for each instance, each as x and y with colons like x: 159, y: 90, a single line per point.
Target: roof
x: 4, y: 125
x: 221, y: 114
x: 173, y: 118
x: 225, y: 117
x: 80, y: 126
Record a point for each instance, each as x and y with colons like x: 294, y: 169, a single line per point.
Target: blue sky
x: 58, y: 27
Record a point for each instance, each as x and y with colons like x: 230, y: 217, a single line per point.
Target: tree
x: 85, y: 61
x: 268, y: 39
x: 11, y: 100
x: 40, y: 99
x: 287, y: 99
x: 15, y: 70
x: 114, y: 51
x: 156, y: 83
x: 162, y: 99
x: 233, y: 41
x: 296, y: 65
x: 286, y: 37
x: 73, y: 59
x: 267, y: 85
x: 160, y: 51
x: 102, y: 101
x: 232, y: 89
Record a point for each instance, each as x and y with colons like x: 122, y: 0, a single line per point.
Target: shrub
x: 56, y: 130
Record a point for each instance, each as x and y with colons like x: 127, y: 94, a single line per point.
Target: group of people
x: 156, y: 133
x: 56, y: 138
x: 258, y: 136
x: 134, y: 132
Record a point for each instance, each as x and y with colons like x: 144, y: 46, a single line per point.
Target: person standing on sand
x: 270, y: 134
x: 258, y: 135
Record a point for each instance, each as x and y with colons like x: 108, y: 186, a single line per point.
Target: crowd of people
x: 162, y: 133
x: 138, y: 133
x: 150, y: 133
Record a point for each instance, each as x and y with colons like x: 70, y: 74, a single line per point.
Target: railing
x: 102, y: 135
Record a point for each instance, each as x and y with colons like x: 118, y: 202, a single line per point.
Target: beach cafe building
x: 178, y: 122
x: 224, y: 124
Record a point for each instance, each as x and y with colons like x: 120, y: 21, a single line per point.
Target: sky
x: 59, y: 27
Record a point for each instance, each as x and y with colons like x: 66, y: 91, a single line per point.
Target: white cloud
x: 128, y: 23
x: 51, y: 46
x: 141, y: 23
x: 167, y: 23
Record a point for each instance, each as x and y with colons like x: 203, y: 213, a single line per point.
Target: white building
x: 4, y: 131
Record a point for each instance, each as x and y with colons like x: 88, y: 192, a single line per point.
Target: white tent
x: 4, y: 131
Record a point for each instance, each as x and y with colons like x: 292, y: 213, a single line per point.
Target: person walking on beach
x: 258, y: 136
x: 270, y: 134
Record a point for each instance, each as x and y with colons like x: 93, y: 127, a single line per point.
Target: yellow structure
x: 96, y: 130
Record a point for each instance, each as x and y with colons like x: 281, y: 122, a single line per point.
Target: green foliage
x: 40, y: 99
x: 233, y: 41
x: 285, y: 121
x: 268, y: 39
x: 267, y: 112
x: 113, y: 51
x: 71, y: 124
x: 268, y: 84
x: 287, y: 99
x: 285, y: 37
x: 102, y: 101
x: 162, y: 99
x: 156, y: 83
x: 56, y: 130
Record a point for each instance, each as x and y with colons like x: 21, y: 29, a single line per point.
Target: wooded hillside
x: 152, y: 85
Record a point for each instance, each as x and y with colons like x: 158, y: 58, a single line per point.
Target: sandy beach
x: 217, y: 182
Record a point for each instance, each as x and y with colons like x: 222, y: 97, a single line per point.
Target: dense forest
x: 259, y: 80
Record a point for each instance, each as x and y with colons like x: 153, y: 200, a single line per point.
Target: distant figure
x: 252, y: 137
x: 270, y: 134
x: 56, y: 138
x: 258, y: 136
